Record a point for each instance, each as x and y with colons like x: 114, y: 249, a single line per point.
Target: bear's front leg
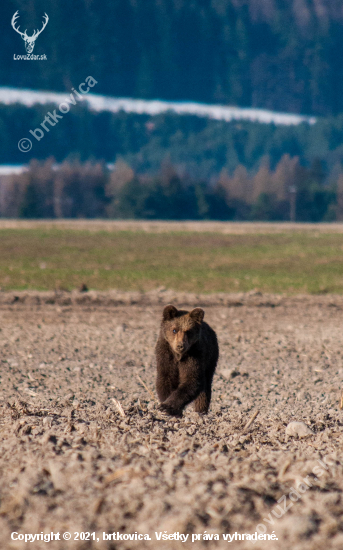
x: 170, y: 409
x: 188, y: 390
x: 163, y: 386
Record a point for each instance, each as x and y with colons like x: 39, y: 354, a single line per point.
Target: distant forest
x: 284, y: 55
x: 278, y: 54
x: 171, y: 167
x: 197, y: 146
x: 90, y: 190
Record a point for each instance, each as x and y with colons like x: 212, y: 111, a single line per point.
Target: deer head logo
x: 29, y: 40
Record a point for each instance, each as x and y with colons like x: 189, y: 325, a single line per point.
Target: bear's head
x: 181, y: 328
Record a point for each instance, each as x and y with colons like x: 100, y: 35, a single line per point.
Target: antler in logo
x: 29, y: 40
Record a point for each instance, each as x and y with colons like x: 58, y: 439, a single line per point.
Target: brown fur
x: 187, y: 354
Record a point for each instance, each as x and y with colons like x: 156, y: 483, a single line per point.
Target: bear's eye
x: 174, y: 330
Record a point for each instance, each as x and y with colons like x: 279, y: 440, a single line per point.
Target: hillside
x: 272, y: 54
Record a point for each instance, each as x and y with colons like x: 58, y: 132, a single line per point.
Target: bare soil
x: 69, y: 461
x: 157, y: 226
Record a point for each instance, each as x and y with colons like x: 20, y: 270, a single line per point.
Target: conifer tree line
x: 238, y: 170
x: 91, y: 189
x: 199, y: 146
x: 283, y: 55
x: 277, y: 54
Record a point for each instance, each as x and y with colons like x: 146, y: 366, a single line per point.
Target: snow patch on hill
x: 100, y: 103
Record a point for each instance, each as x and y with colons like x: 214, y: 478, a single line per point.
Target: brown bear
x: 187, y: 354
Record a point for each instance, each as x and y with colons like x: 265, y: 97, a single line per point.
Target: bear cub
x: 187, y: 353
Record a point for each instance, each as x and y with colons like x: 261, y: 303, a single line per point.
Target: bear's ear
x: 197, y: 314
x: 169, y: 312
